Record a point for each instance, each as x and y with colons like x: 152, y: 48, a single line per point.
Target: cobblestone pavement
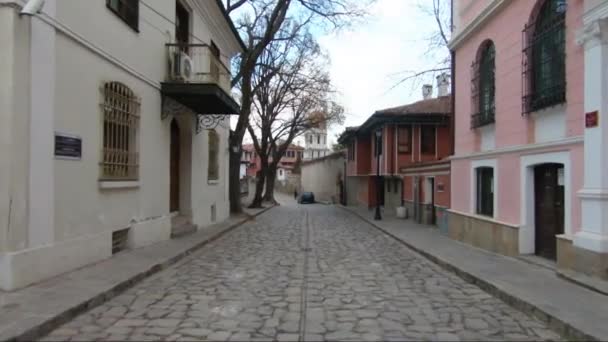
x: 304, y: 273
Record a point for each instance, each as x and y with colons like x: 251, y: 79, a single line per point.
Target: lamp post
x: 377, y: 216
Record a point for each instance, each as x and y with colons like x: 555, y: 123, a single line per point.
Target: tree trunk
x: 259, y: 188
x: 271, y: 178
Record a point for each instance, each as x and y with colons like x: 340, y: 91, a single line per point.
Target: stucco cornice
x: 521, y: 148
x: 598, y: 12
x: 492, y: 9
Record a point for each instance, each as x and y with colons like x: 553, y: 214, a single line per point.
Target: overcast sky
x: 366, y: 58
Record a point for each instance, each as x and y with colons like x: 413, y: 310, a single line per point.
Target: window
x: 351, y: 150
x: 127, y: 10
x: 485, y: 191
x: 377, y: 144
x: 318, y: 138
x: 483, y: 86
x: 120, y: 159
x: 310, y: 138
x: 427, y: 138
x: 213, y: 165
x: 404, y: 139
x: 545, y: 57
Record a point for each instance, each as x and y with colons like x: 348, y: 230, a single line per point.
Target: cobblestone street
x: 307, y: 273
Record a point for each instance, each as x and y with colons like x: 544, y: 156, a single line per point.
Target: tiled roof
x: 439, y: 105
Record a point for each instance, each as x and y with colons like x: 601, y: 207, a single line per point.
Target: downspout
x: 32, y: 7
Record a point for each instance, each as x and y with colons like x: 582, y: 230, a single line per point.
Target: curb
x: 46, y: 327
x: 563, y: 328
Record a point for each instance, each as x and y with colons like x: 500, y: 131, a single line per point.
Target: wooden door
x: 174, y: 173
x: 549, y: 208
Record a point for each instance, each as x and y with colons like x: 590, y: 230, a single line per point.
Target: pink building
x: 528, y: 176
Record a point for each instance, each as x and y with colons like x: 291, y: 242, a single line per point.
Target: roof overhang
x: 379, y: 119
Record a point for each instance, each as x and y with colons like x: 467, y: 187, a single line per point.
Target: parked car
x: 306, y: 197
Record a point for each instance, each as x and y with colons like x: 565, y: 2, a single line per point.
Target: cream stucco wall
x: 72, y: 216
x: 321, y: 176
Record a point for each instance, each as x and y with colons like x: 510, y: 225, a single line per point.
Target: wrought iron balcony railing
x: 196, y: 63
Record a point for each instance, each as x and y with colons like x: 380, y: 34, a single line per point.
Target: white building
x: 315, y: 143
x: 100, y: 145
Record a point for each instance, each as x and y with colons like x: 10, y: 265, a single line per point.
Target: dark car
x: 306, y: 197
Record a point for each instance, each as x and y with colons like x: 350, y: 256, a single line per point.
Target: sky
x: 367, y: 59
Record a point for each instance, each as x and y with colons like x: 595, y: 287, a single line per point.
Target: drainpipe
x: 32, y: 7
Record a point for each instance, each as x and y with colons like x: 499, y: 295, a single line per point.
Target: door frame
x: 174, y: 175
x: 527, y: 229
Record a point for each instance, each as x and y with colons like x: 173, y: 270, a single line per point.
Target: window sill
x: 108, y: 185
x: 213, y: 182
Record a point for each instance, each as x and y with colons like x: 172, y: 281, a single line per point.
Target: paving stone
x: 360, y: 285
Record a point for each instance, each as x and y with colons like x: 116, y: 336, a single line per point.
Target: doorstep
x: 31, y: 312
x: 574, y: 311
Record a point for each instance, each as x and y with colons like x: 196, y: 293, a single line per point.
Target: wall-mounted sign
x: 68, y: 146
x: 591, y: 119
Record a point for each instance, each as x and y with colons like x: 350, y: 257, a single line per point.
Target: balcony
x: 198, y: 79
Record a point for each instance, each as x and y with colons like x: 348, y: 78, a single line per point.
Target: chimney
x: 427, y: 91
x: 443, y: 83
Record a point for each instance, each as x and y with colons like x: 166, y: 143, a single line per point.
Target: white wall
x: 89, y: 45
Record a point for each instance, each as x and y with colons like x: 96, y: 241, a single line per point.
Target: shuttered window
x: 427, y: 139
x: 404, y: 139
x: 120, y: 157
x: 213, y: 172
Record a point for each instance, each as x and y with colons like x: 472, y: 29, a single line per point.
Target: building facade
x: 410, y: 144
x: 530, y: 165
x: 109, y: 134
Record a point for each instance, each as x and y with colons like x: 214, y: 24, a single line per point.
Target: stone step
x: 182, y: 230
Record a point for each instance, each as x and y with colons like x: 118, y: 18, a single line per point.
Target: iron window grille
x: 127, y: 10
x: 120, y: 157
x: 483, y: 87
x: 544, y: 58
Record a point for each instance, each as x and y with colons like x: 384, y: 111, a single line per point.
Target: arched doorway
x: 174, y: 164
x: 548, y: 208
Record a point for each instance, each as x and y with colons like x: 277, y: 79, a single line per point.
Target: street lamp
x: 377, y: 216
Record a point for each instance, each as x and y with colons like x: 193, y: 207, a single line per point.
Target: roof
x: 430, y: 111
x: 348, y: 132
x: 231, y: 24
x: 436, y: 105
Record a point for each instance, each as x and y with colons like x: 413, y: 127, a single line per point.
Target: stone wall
x: 483, y: 233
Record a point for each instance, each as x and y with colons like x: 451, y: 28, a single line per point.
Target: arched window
x: 120, y: 158
x: 483, y: 86
x: 213, y: 165
x: 545, y: 56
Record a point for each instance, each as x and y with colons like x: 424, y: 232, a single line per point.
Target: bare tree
x: 291, y: 82
x: 260, y: 23
x: 437, y: 44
